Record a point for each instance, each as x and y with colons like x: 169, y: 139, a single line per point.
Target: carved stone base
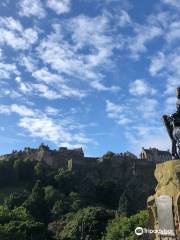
x: 168, y: 190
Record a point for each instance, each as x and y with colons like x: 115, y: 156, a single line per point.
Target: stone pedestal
x: 165, y: 200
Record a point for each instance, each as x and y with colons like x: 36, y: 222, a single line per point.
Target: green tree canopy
x: 88, y: 223
x: 123, y: 228
x: 18, y: 224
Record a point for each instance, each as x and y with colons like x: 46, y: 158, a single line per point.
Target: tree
x: 64, y: 181
x: 88, y: 223
x: 75, y: 200
x: 15, y: 199
x: 123, y: 228
x: 40, y: 171
x: 36, y: 204
x: 60, y: 208
x: 123, y: 205
x: 18, y: 224
x: 51, y: 195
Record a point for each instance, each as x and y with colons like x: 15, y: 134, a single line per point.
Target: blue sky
x: 92, y: 73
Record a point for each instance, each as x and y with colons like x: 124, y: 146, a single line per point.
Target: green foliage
x: 60, y: 208
x: 74, y: 204
x: 15, y: 199
x: 18, y: 224
x: 64, y: 180
x: 123, y: 205
x: 108, y: 155
x: 36, y: 204
x: 123, y: 228
x: 66, y: 204
x: 51, y: 195
x: 40, y: 171
x: 88, y: 223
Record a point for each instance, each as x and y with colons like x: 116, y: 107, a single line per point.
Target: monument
x: 164, y: 205
x: 172, y: 124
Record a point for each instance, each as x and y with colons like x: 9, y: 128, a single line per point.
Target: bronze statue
x: 172, y: 124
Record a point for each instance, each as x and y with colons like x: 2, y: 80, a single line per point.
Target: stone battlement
x: 55, y: 158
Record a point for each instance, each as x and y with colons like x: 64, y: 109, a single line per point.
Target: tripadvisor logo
x: 139, y: 231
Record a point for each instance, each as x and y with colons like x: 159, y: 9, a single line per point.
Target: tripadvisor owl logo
x: 139, y: 231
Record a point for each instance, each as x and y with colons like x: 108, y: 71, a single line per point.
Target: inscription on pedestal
x: 165, y: 215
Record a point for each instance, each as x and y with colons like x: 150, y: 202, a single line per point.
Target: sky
x: 93, y: 73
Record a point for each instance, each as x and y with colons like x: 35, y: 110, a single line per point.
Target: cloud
x: 14, y: 35
x: 140, y: 88
x: 157, y: 63
x: 152, y: 137
x: 39, y: 125
x: 51, y: 111
x: 59, y: 6
x: 124, y: 19
x: 172, y: 82
x: 21, y: 110
x: 143, y: 35
x: 29, y: 62
x: 85, y: 54
x: 101, y: 87
x: 170, y: 104
x: 51, y: 93
x: 44, y: 75
x: 173, y: 31
x: 148, y: 107
x: 45, y: 128
x: 120, y: 17
x: 117, y: 112
x: 166, y: 66
x: 29, y: 8
x: 174, y: 3
x: 7, y: 70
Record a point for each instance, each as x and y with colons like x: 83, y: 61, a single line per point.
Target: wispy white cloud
x: 173, y: 33
x: 21, y: 110
x: 51, y: 93
x: 174, y: 3
x: 51, y: 111
x: 82, y: 56
x: 147, y: 107
x: 151, y: 137
x: 44, y: 75
x: 117, y: 112
x: 166, y: 65
x: 59, y: 6
x: 39, y: 125
x: 140, y: 87
x: 30, y: 63
x: 29, y: 8
x: 7, y: 70
x: 123, y: 19
x: 14, y: 35
x: 143, y: 35
x: 157, y: 63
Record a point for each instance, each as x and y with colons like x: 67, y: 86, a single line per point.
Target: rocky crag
x: 124, y: 173
x: 166, y: 197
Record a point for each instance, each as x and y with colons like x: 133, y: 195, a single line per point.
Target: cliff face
x: 132, y: 177
x: 166, y: 200
x: 111, y: 175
